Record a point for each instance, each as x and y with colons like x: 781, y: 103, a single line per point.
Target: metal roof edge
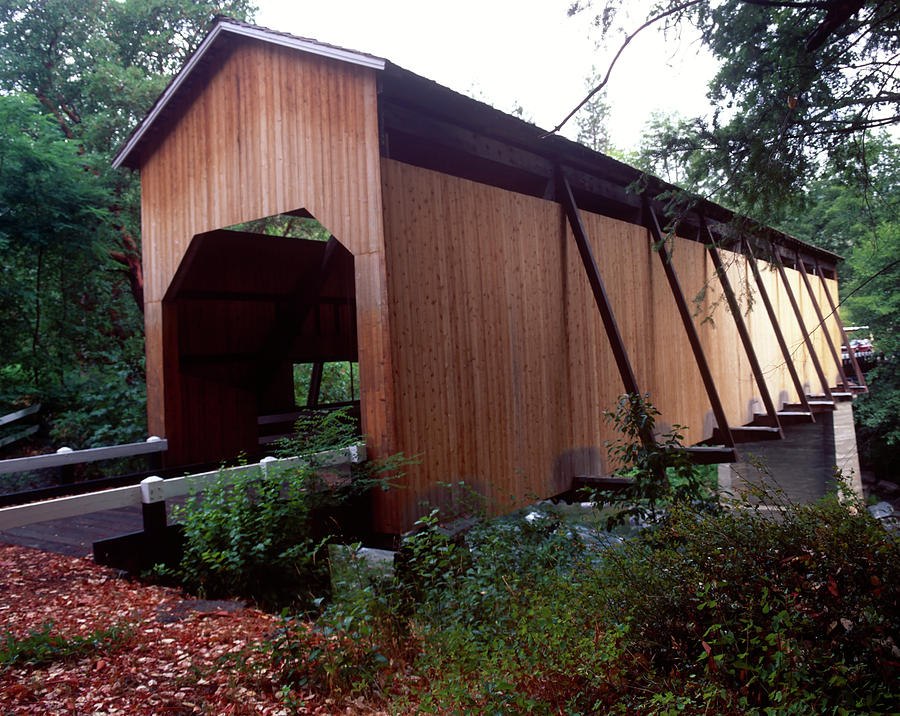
x: 234, y: 27
x: 310, y: 46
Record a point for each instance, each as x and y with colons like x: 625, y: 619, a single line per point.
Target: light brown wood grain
x: 271, y: 131
x: 502, y: 367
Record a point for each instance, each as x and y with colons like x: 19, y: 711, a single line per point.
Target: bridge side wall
x: 502, y: 367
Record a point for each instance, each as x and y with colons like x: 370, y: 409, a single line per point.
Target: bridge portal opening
x: 261, y: 327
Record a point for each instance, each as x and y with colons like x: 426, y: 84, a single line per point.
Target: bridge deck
x: 75, y: 536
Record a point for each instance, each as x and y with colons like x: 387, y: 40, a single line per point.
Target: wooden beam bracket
x: 620, y: 353
x: 779, y: 336
x: 712, y: 393
x: 851, y: 351
x: 600, y: 296
x: 806, y: 338
x: 815, y: 303
x: 744, y: 334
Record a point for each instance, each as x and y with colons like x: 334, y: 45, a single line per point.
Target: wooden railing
x: 14, y: 418
x: 154, y: 490
x: 66, y: 456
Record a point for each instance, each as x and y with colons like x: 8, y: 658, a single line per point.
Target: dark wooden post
x: 743, y: 332
x: 315, y: 384
x: 812, y: 297
x: 564, y: 191
x: 153, y: 504
x: 593, y: 273
x: 688, y: 322
x: 66, y: 472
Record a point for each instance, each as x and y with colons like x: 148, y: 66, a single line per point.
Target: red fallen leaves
x: 197, y: 663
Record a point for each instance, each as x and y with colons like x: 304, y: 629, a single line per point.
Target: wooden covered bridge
x: 498, y: 288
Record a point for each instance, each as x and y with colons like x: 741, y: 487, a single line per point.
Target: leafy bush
x: 799, y: 605
x: 253, y: 538
x: 755, y: 607
x: 320, y: 431
x: 265, y: 539
x: 791, y: 609
x: 660, y: 473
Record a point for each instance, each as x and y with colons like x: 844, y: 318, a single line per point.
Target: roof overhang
x: 224, y: 27
x: 450, y: 132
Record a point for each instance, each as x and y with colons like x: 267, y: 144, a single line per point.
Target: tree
x: 68, y: 336
x: 52, y: 209
x: 75, y: 78
x: 803, y: 88
x: 592, y: 119
x: 798, y: 80
x: 96, y: 66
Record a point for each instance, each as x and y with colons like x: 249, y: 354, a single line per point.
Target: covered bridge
x: 498, y: 288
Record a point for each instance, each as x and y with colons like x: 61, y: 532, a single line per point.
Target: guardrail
x: 154, y: 490
x: 11, y: 418
x: 66, y: 456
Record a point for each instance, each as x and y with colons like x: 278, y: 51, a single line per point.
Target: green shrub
x: 660, y: 473
x: 265, y: 539
x: 753, y: 608
x: 253, y: 538
x: 320, y: 431
x: 796, y: 606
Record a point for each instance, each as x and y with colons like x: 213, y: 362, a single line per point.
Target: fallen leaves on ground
x: 179, y: 656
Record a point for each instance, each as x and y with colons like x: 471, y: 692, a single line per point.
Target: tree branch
x: 787, y: 3
x: 593, y: 92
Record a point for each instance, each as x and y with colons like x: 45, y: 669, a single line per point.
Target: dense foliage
x: 759, y: 606
x: 263, y: 537
x: 71, y: 337
x: 853, y: 209
x: 75, y: 77
x: 796, y: 81
x: 743, y: 611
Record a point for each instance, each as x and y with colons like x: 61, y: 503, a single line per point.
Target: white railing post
x: 153, y: 504
x: 264, y: 465
x: 66, y: 472
x: 154, y: 459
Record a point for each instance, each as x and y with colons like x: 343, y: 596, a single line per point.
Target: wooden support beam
x: 712, y: 394
x: 776, y: 327
x: 315, y: 384
x: 750, y: 434
x: 851, y: 351
x: 741, y: 326
x: 806, y: 339
x: 812, y: 297
x: 564, y: 193
x: 593, y: 273
x: 711, y: 454
x: 815, y: 406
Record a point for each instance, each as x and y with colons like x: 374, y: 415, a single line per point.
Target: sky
x: 512, y: 53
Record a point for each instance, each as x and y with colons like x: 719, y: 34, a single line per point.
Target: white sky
x: 509, y: 52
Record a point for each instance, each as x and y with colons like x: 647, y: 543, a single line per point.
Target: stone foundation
x: 804, y: 465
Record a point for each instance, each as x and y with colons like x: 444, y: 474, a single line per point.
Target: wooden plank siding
x: 271, y: 131
x: 479, y: 343
x: 502, y: 368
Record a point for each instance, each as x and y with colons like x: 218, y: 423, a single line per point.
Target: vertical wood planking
x: 272, y: 130
x: 502, y: 368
